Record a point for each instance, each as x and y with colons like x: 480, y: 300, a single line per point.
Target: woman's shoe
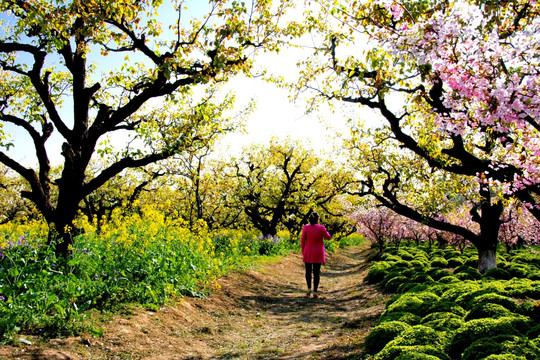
x: 315, y: 295
x: 308, y: 294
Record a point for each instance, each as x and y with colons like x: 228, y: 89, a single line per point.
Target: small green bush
x: 395, y: 273
x: 477, y: 329
x: 455, y: 262
x: 393, y: 284
x: 505, y: 357
x: 472, y: 272
x: 472, y: 262
x: 449, y: 279
x: 403, y: 316
x: 441, y: 322
x: 522, y: 288
x: 498, y: 274
x: 438, y: 274
x: 426, y: 352
x: 405, y: 255
x: 502, y: 344
x: 446, y: 306
x: 421, y: 335
x: 413, y: 354
x: 378, y: 271
x: 402, y: 264
x: 382, y: 334
x: 418, y: 264
x: 451, y: 254
x: 416, y: 303
x: 487, y: 310
x: 439, y: 262
x: 495, y: 299
x: 390, y: 257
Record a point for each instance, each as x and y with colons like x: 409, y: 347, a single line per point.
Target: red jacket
x: 312, y: 243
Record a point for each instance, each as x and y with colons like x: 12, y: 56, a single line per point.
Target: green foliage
x: 401, y: 316
x: 416, y: 303
x: 485, y: 329
x: 498, y: 273
x: 467, y: 272
x: 511, y: 345
x: 443, y: 321
x: 138, y: 260
x: 426, y: 352
x: 487, y: 310
x: 455, y: 262
x: 478, y: 316
x: 378, y: 271
x: 439, y: 262
x: 384, y: 333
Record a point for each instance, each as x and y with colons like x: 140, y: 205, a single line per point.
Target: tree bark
x: 487, y: 259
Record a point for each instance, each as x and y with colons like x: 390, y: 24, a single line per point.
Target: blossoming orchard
x: 441, y: 152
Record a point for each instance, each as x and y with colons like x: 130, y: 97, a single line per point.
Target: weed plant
x: 443, y: 308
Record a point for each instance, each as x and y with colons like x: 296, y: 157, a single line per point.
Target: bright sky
x: 275, y: 115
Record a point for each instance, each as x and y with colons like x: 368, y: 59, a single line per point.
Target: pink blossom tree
x: 455, y: 85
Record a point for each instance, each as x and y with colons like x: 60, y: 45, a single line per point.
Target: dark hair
x: 313, y: 217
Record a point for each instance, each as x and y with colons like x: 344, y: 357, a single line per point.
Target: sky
x: 274, y: 116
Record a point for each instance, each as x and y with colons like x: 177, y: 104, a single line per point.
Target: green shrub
x: 477, y: 329
x: 495, y: 299
x: 438, y: 274
x: 455, y: 293
x: 505, y: 357
x: 413, y: 354
x: 426, y: 352
x: 451, y: 254
x: 377, y: 272
x: 395, y: 273
x: 534, y: 332
x: 416, y: 303
x: 466, y: 269
x: 530, y: 309
x: 534, y: 275
x: 439, y: 262
x: 497, y: 273
x: 382, y: 334
x: 443, y: 321
x: 446, y: 306
x: 405, y: 255
x: 421, y: 335
x: 522, y: 288
x: 502, y: 344
x: 419, y: 264
x: 487, y: 310
x: 455, y: 262
x: 449, y: 279
x: 404, y: 264
x: 472, y: 262
x: 402, y: 316
x: 390, y: 257
x: 393, y: 284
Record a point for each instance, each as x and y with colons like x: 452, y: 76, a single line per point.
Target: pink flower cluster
x: 490, y: 69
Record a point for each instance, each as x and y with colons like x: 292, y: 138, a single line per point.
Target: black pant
x: 316, y: 270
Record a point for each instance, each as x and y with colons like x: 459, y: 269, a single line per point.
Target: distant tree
x: 60, y: 55
x: 12, y: 206
x: 277, y: 185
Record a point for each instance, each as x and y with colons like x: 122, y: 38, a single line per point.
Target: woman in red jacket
x: 313, y: 254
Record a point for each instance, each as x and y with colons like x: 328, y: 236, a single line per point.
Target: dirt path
x: 258, y: 314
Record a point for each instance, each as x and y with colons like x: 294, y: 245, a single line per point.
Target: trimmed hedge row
x: 445, y: 309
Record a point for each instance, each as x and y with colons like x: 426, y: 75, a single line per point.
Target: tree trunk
x: 487, y: 259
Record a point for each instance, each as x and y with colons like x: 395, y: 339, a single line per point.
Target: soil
x: 260, y: 313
